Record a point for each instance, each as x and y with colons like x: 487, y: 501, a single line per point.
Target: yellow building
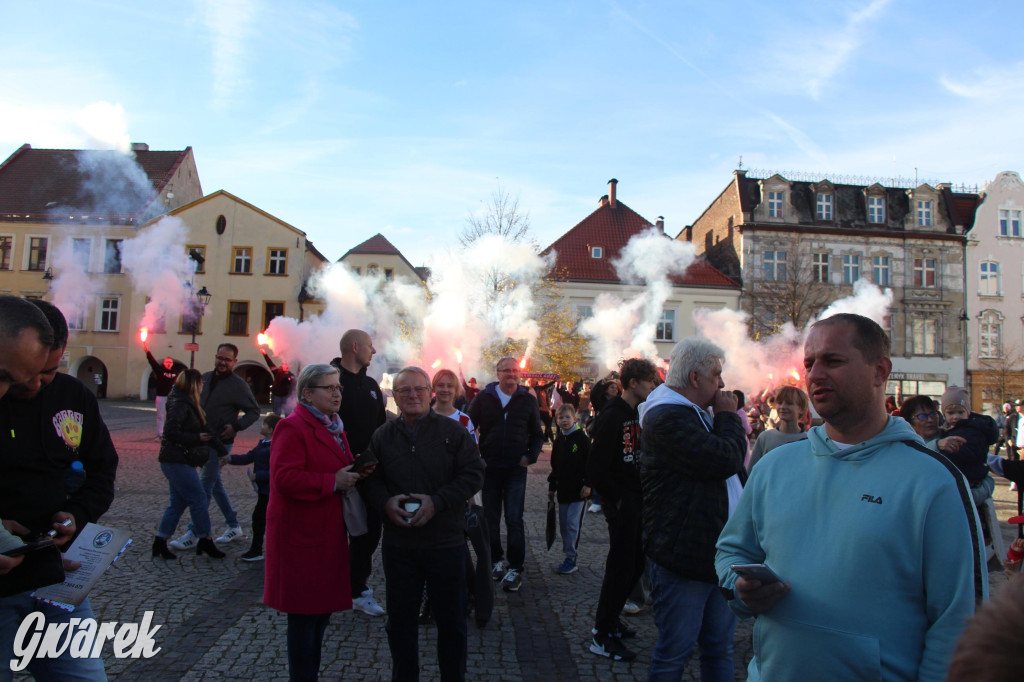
x: 64, y: 215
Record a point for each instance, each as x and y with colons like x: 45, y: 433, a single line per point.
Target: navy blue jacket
x: 510, y: 434
x: 980, y: 432
x: 259, y: 457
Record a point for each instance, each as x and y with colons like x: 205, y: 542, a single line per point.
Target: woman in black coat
x: 183, y: 447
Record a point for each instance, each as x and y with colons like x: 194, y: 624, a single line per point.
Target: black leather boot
x: 160, y: 549
x: 206, y: 546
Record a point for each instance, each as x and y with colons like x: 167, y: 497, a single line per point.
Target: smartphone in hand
x: 756, y: 572
x: 29, y: 546
x: 364, y: 463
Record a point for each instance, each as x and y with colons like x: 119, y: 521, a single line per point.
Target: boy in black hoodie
x: 568, y: 479
x: 613, y: 468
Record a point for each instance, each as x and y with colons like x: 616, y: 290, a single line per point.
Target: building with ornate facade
x: 797, y: 246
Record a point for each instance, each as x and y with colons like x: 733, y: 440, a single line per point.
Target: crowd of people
x: 855, y: 543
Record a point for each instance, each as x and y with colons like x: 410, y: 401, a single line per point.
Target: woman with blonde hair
x: 184, y: 446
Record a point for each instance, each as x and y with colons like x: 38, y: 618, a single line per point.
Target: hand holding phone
x: 756, y: 572
x: 364, y: 464
x: 28, y: 547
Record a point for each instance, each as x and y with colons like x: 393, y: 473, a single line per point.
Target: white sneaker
x: 1013, y: 486
x: 185, y: 542
x: 594, y: 508
x: 367, y: 604
x: 632, y: 608
x: 232, y: 533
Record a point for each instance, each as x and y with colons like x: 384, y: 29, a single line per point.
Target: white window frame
x: 775, y: 266
x: 876, y: 210
x: 775, y: 200
x: 667, y: 319
x: 597, y: 252
x: 277, y: 261
x: 880, y: 270
x: 76, y: 320
x: 851, y: 268
x: 103, y: 309
x: 820, y: 267
x: 583, y: 311
x: 924, y: 213
x: 1010, y: 222
x: 239, y: 257
x: 925, y: 335
x: 990, y: 335
x: 928, y: 266
x: 989, y: 279
x: 824, y: 206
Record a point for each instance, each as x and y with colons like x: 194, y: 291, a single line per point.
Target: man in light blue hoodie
x: 874, y: 536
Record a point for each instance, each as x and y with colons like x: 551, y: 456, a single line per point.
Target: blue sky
x: 351, y: 118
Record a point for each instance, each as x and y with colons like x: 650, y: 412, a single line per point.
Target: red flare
x: 143, y: 334
x: 437, y: 363
x: 261, y: 339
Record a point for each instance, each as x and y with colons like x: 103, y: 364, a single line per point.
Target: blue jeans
x: 444, y: 572
x: 506, y: 487
x: 186, y: 491
x: 688, y: 612
x: 214, y: 488
x: 13, y: 611
x: 570, y: 519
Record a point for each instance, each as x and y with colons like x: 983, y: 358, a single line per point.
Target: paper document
x: 97, y: 547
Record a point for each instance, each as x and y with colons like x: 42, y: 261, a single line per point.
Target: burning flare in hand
x: 143, y: 334
x: 262, y: 340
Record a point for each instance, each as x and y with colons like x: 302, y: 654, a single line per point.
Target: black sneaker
x: 622, y: 631
x: 253, y: 555
x: 512, y: 581
x: 611, y: 647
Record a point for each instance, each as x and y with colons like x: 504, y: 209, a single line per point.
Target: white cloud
x: 988, y: 83
x: 230, y: 25
x: 812, y: 55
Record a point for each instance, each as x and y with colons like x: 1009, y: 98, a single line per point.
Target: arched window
x: 990, y: 334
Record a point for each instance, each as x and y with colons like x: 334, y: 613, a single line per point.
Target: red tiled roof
x: 962, y: 208
x: 377, y: 244
x: 49, y: 184
x: 611, y: 229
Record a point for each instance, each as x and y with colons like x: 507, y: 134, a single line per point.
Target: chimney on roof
x: 603, y: 201
x: 611, y: 192
x: 140, y: 147
x: 660, y: 223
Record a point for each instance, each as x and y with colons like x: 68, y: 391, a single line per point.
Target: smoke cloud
x: 626, y: 327
x: 161, y: 269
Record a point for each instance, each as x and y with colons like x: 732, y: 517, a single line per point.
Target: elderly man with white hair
x: 692, y: 473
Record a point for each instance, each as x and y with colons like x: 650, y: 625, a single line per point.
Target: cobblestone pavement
x: 216, y: 627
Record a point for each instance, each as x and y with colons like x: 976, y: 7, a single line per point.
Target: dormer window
x: 924, y: 213
x: 774, y: 204
x: 596, y: 251
x: 876, y: 209
x: 824, y: 203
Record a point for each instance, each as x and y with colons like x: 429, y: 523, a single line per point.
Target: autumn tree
x: 1004, y: 380
x: 793, y: 289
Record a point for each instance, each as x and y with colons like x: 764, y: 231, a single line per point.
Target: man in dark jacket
x: 164, y: 374
x: 427, y: 467
x: 362, y: 411
x: 692, y: 474
x: 225, y: 394
x: 613, y: 468
x: 45, y: 427
x: 508, y: 420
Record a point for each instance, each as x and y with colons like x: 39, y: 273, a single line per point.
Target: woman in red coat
x: 307, y: 547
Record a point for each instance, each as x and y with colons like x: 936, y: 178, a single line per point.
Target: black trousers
x: 360, y: 553
x: 259, y: 522
x: 481, y: 586
x: 625, y: 562
x: 305, y: 639
x: 444, y: 572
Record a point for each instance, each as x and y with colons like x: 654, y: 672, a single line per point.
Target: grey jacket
x: 222, y: 400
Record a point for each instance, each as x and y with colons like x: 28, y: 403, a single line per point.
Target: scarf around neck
x: 333, y: 424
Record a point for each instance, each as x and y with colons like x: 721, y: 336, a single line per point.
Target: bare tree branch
x: 501, y: 217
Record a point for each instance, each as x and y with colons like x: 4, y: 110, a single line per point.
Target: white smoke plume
x: 755, y: 366
x: 626, y: 328
x: 463, y: 315
x: 161, y: 269
x: 72, y: 288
